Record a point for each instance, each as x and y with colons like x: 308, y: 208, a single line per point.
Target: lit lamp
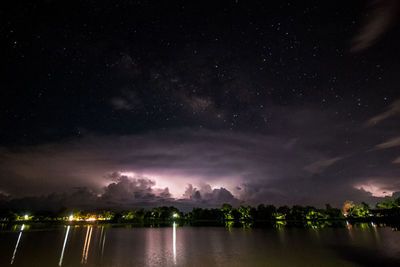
x: 26, y: 217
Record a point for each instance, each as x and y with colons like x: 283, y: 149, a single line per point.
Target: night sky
x: 197, y: 103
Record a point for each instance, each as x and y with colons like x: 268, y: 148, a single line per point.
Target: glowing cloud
x: 375, y: 189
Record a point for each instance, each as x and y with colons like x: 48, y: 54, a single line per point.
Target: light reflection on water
x: 63, y: 249
x: 174, y: 241
x: 88, y: 238
x: 102, y: 241
x: 206, y: 246
x: 16, y: 245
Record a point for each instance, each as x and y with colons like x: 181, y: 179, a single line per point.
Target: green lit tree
x: 244, y: 212
x: 227, y: 211
x: 353, y: 210
x: 389, y: 203
x: 282, y: 213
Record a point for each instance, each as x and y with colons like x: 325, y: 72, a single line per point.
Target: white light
x: 26, y: 217
x: 63, y: 249
x: 16, y: 246
x: 71, y: 217
x: 175, y: 215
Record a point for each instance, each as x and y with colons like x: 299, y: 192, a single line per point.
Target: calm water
x: 105, y: 245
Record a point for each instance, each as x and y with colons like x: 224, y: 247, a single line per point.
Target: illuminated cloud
x: 393, y: 142
x: 222, y: 160
x: 393, y: 110
x: 381, y: 14
x: 125, y: 191
x: 375, y: 189
x: 380, y: 186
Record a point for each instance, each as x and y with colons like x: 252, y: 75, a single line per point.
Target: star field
x: 289, y: 70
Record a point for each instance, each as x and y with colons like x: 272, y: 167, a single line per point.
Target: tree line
x: 261, y: 213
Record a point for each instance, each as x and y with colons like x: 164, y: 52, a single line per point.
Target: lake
x: 127, y: 245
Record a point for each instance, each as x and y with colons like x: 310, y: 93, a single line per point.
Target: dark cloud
x: 76, y: 198
x: 206, y: 196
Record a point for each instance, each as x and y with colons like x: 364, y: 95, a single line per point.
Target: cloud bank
x: 301, y: 159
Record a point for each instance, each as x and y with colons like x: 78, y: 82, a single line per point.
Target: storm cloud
x: 203, y: 167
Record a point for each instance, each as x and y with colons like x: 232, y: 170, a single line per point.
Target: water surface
x: 108, y: 245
